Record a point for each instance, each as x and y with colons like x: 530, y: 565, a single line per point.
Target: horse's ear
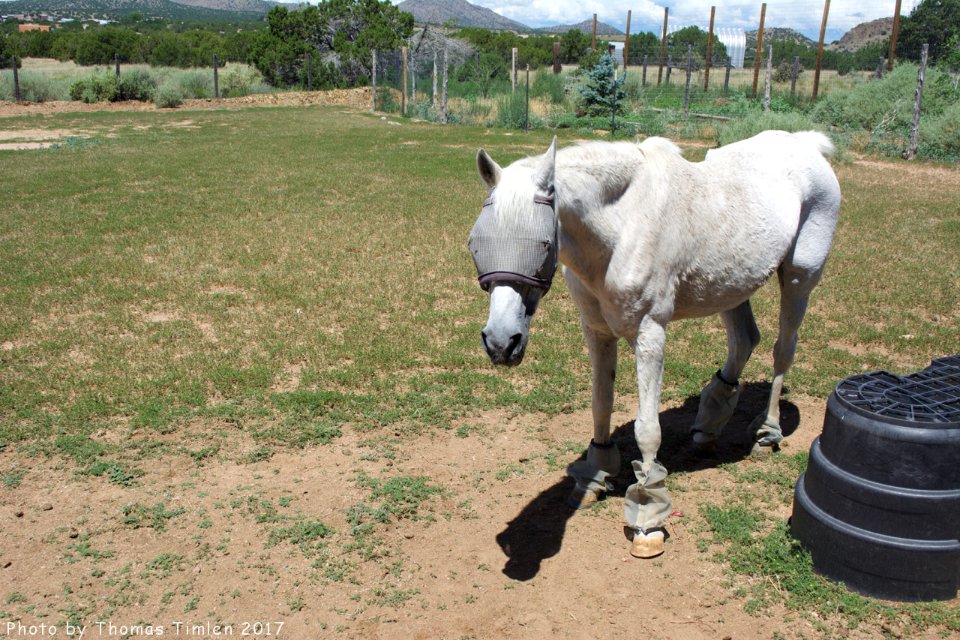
x: 489, y: 170
x: 547, y: 169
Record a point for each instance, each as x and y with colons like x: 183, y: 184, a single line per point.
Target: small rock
x: 19, y: 514
x: 7, y: 563
x: 46, y: 506
x: 196, y: 569
x: 408, y: 535
x: 74, y: 533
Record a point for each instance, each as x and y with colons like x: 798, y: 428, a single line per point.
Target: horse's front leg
x: 603, y: 458
x: 647, y: 502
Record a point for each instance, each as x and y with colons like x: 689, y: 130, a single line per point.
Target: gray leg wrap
x: 717, y: 403
x: 766, y: 432
x: 647, y: 503
x: 592, y: 474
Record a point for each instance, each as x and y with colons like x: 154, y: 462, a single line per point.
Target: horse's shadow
x: 537, y: 531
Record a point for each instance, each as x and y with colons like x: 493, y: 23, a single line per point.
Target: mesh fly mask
x: 503, y: 254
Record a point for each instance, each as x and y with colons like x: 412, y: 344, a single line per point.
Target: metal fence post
x: 686, y: 90
x: 216, y: 77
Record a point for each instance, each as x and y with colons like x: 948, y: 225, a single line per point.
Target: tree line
x: 329, y: 44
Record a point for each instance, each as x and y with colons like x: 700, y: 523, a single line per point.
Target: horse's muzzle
x: 508, y: 352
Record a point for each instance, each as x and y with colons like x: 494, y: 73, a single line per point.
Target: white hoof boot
x: 647, y: 545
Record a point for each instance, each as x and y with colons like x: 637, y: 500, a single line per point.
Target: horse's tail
x: 819, y: 140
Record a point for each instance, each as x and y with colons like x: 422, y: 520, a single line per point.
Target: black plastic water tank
x: 879, y: 504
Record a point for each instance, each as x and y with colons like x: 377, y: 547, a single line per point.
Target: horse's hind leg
x: 719, y: 398
x: 795, y: 287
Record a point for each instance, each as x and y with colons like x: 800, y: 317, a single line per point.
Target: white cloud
x: 802, y: 15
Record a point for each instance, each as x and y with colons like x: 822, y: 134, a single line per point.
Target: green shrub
x: 548, y: 84
x: 886, y: 106
x: 240, y: 81
x: 100, y: 87
x: 753, y: 124
x: 195, y: 84
x: 168, y: 96
x: 512, y: 112
x: 136, y: 84
x: 940, y: 135
x: 34, y: 87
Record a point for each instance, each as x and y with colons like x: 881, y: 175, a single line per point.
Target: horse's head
x: 514, y: 247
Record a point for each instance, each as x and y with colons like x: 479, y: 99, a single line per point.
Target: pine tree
x: 603, y: 93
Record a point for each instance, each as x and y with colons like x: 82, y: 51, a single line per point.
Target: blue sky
x: 802, y: 15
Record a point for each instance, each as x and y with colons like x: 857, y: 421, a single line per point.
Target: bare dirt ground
x: 496, y: 555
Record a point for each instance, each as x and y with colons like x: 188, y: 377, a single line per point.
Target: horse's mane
x: 598, y: 170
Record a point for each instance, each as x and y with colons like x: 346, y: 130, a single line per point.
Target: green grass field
x: 162, y: 271
x: 199, y: 283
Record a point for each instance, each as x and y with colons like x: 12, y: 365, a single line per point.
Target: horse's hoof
x: 760, y: 450
x: 582, y: 498
x: 647, y: 545
x: 703, y: 446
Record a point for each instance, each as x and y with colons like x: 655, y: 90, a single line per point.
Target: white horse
x: 647, y: 237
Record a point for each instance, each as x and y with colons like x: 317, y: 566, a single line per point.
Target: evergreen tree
x: 603, y: 93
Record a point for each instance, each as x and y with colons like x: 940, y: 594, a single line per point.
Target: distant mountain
x: 187, y: 10
x: 778, y: 34
x: 460, y: 13
x: 603, y: 29
x: 243, y: 6
x: 864, y: 34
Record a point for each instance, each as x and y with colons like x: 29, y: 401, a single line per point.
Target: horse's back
x: 774, y: 195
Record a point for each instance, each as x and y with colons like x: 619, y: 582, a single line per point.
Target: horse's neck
x: 591, y: 184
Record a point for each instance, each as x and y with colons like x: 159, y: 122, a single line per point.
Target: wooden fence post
x: 663, y: 44
x: 413, y: 77
x: 373, y: 79
x: 880, y: 69
x: 768, y: 79
x: 706, y: 68
x: 669, y: 68
x: 593, y: 40
x: 403, y: 81
x: 726, y: 76
x: 686, y: 91
x: 116, y: 62
x: 794, y: 72
x: 823, y: 31
x: 893, y: 37
x: 526, y: 111
x: 16, y: 80
x: 513, y: 69
x: 443, y: 96
x: 216, y: 77
x: 557, y: 67
x: 918, y: 97
x: 643, y: 82
x: 626, y: 43
x: 434, y: 79
x: 756, y: 61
